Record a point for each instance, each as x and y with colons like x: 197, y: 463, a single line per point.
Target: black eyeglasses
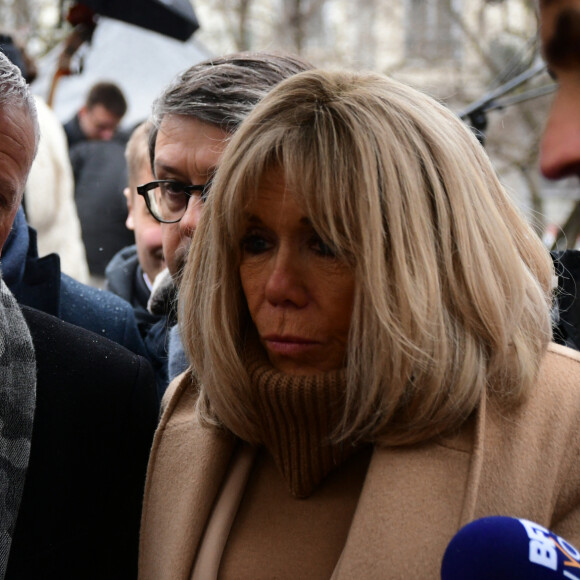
x: 167, y: 199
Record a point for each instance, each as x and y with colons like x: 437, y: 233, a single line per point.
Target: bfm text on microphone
x: 498, y: 548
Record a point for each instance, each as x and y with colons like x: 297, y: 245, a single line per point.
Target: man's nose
x: 191, y: 217
x: 560, y: 146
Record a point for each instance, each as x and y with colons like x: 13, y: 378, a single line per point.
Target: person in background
x: 77, y: 412
x: 132, y: 271
x: 99, y: 118
x: 193, y: 119
x: 100, y: 175
x: 97, y: 154
x: 49, y: 198
x: 49, y: 194
x: 368, y: 319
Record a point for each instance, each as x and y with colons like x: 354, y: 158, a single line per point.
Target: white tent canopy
x: 141, y: 62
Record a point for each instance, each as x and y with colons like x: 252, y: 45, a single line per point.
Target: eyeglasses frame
x: 144, y: 189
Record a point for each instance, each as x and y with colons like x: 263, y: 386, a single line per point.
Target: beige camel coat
x: 524, y: 463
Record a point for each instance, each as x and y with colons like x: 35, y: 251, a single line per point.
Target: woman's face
x: 299, y: 294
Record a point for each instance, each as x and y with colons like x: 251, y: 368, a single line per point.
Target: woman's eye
x: 321, y: 248
x: 254, y: 244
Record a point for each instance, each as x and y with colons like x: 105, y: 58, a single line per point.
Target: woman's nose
x: 286, y: 282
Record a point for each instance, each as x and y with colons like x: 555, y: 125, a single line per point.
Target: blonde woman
x: 368, y: 320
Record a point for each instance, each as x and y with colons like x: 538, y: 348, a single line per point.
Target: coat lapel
x: 412, y: 503
x: 186, y: 468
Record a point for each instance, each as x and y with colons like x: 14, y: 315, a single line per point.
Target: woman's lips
x: 288, y: 345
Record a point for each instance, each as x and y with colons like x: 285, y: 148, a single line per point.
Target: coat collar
x: 188, y: 464
x: 384, y: 531
x: 519, y: 462
x: 186, y: 468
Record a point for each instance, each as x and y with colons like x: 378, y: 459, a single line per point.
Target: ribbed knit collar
x: 297, y: 416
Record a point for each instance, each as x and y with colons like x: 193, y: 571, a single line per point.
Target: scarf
x: 17, y: 402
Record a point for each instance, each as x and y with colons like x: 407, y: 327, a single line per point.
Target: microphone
x: 499, y: 547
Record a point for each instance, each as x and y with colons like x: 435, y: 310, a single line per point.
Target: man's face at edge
x: 17, y: 149
x: 560, y: 35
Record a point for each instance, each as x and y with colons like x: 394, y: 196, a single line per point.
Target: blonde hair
x: 453, y: 288
x: 137, y: 153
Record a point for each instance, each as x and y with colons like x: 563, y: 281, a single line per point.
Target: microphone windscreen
x: 499, y: 547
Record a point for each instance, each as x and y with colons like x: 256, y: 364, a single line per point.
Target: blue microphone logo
x: 544, y: 546
x: 505, y: 548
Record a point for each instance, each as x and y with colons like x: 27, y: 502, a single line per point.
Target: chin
x: 299, y: 369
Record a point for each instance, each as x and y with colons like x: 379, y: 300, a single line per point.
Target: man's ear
x: 129, y: 222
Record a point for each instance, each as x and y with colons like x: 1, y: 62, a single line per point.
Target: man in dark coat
x: 100, y: 175
x: 77, y: 413
x: 95, y: 414
x: 96, y: 149
x: 39, y: 283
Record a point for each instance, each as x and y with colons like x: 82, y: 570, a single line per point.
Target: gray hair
x: 223, y: 91
x: 14, y: 91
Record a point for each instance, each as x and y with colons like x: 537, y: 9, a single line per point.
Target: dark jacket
x: 124, y: 277
x: 96, y: 411
x: 100, y: 173
x: 39, y: 283
x: 567, y: 307
x: 74, y: 133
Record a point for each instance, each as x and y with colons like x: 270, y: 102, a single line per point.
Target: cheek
x: 340, y: 302
x: 253, y: 283
x: 149, y: 235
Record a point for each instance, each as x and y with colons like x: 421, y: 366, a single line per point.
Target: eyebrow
x: 254, y: 219
x: 563, y: 48
x: 171, y: 170
x: 11, y: 195
x: 161, y: 165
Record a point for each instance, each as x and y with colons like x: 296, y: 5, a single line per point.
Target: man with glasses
x: 192, y: 121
